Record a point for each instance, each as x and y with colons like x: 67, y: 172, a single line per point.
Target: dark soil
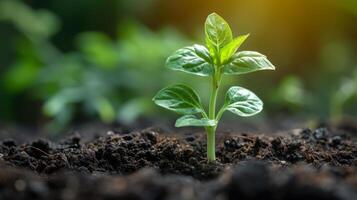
x: 299, y: 164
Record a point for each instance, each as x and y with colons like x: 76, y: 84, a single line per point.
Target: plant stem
x: 211, y: 144
x: 220, y: 113
x: 212, y: 103
x: 211, y: 131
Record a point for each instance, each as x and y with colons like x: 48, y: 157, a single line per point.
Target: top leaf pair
x: 221, y: 56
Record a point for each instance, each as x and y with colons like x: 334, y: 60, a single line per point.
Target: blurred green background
x: 64, y: 62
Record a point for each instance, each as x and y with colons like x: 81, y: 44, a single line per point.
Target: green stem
x: 220, y: 113
x: 211, y: 144
x: 211, y: 131
x: 212, y: 103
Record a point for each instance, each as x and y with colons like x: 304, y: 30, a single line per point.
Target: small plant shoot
x: 219, y: 57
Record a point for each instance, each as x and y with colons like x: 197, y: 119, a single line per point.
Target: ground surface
x: 150, y: 164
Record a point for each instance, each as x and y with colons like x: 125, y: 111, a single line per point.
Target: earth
x: 151, y: 164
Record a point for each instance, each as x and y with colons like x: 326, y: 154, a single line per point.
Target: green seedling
x: 219, y: 57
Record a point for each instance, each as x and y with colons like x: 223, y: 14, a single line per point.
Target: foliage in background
x: 346, y: 92
x: 51, y: 62
x: 290, y: 95
x: 103, y: 77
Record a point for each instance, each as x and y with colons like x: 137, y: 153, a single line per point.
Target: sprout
x: 217, y: 58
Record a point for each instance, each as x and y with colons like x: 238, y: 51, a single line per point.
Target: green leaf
x: 218, y: 34
x: 242, y: 102
x: 232, y: 47
x: 247, y: 61
x: 194, y: 60
x: 179, y: 98
x: 192, y: 120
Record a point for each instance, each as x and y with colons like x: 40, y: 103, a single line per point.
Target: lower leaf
x: 242, y: 102
x: 192, y: 120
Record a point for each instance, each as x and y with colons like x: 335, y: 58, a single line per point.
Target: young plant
x: 215, y: 60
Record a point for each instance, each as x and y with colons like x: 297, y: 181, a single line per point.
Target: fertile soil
x: 151, y: 164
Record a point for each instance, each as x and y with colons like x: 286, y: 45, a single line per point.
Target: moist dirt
x: 152, y: 164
